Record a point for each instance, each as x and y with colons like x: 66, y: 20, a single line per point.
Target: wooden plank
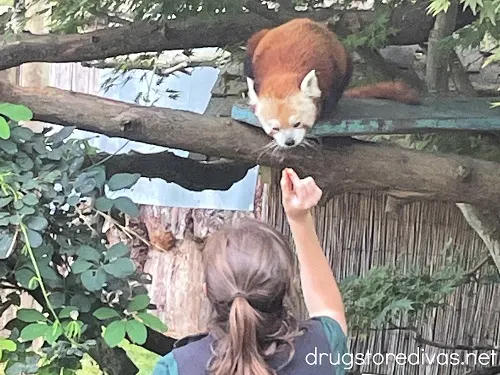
x: 376, y: 116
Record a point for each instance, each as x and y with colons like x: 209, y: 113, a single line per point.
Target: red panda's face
x: 287, y: 120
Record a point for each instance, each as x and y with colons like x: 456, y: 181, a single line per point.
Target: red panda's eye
x: 297, y: 125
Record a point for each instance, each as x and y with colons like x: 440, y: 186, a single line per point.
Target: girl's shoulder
x: 167, y: 365
x: 332, y: 330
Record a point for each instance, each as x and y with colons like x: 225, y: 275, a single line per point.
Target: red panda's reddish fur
x: 279, y: 58
x: 397, y: 91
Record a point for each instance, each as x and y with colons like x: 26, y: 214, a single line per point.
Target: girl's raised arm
x: 320, y: 289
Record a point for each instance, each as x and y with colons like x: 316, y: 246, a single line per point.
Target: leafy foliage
x: 480, y: 146
x: 374, y: 35
x: 385, y: 295
x: 49, y: 249
x: 485, y: 29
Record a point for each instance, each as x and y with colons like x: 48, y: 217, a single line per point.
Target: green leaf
x: 66, y: 312
x: 98, y: 172
x: 4, y: 128
x: 87, y: 186
x: 136, y: 331
x: 30, y: 199
x: 52, y: 333
x: 56, y: 299
x: 80, y: 266
x: 127, y: 206
x: 48, y: 273
x: 93, y: 280
x: 89, y: 253
x: 120, y: 268
x: 22, y: 133
x: 16, y: 112
x: 122, y: 181
x: 118, y: 250
x: 8, y: 146
x: 18, y: 204
x: 62, y: 134
x: 30, y: 316
x: 5, y: 201
x: 104, y: 313
x: 34, y: 238
x: 152, y: 321
x: 4, y: 270
x: 6, y: 245
x: 115, y: 333
x: 9, y: 345
x: 26, y: 210
x: 37, y: 223
x: 32, y: 331
x: 103, y: 204
x: 73, y: 200
x: 139, y: 302
x: 76, y: 164
x: 24, y: 276
x: 82, y: 302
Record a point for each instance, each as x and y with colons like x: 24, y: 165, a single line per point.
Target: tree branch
x: 163, y: 68
x: 337, y: 165
x: 135, y: 38
x: 485, y: 371
x: 219, y: 175
x: 421, y: 340
x: 196, y: 32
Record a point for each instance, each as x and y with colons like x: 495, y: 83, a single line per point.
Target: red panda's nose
x: 290, y: 142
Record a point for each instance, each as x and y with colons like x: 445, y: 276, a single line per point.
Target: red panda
x: 296, y: 74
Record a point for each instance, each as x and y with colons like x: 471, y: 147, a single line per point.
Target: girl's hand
x: 298, y: 195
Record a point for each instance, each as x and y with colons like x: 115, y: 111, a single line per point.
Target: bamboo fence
x: 357, y: 235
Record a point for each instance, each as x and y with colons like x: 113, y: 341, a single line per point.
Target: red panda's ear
x: 309, y: 85
x: 252, y: 95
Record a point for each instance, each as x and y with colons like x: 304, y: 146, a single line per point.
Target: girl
x: 249, y: 270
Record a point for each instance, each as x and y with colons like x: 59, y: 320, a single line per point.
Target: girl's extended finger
x: 286, y: 187
x: 294, y: 178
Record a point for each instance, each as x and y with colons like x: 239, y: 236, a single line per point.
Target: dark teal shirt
x: 319, y: 351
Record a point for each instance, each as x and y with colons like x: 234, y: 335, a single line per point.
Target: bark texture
x: 412, y: 21
x: 216, y: 175
x: 337, y: 164
x: 438, y: 57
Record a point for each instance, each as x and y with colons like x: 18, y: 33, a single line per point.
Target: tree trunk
x: 178, y: 271
x: 438, y: 56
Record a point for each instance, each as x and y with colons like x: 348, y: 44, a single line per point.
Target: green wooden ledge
x: 376, y: 116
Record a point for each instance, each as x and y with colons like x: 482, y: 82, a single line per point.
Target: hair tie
x: 239, y: 294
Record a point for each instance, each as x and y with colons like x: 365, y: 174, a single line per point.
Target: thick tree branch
x: 355, y: 165
x: 135, y: 38
x: 188, y: 173
x: 412, y: 21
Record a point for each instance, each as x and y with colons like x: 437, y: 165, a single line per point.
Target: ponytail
x: 248, y: 328
x: 240, y: 352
